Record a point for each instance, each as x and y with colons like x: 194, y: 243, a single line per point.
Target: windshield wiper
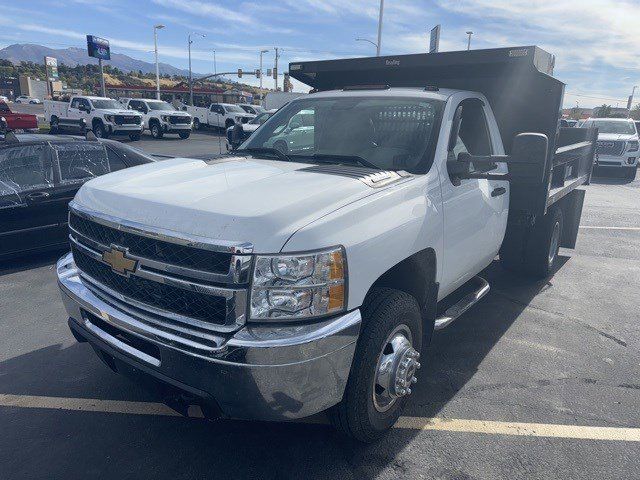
x: 326, y: 157
x: 265, y: 150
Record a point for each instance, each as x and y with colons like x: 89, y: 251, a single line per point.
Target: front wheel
x: 184, y: 135
x: 196, y: 123
x: 54, y: 125
x: 156, y: 130
x: 99, y: 130
x: 384, y: 366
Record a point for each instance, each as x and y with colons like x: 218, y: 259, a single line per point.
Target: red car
x: 16, y: 121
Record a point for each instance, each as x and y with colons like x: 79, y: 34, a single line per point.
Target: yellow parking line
x: 411, y: 423
x: 522, y: 429
x: 597, y: 227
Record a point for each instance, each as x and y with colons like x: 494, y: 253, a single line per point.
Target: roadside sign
x: 51, y: 65
x: 98, y: 47
x: 434, y: 41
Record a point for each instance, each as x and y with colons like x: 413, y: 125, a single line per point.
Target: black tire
x: 631, y: 173
x: 99, y: 130
x: 184, y: 135
x: 196, y: 123
x: 54, y: 125
x: 282, y: 146
x: 156, y: 130
x: 543, y: 245
x: 135, y: 136
x: 356, y: 415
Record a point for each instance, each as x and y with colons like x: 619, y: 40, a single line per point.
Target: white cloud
x: 198, y: 8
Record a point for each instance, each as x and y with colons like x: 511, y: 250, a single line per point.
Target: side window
x: 213, y: 108
x: 79, y: 162
x: 23, y: 169
x: 84, y: 103
x: 473, y: 135
x: 75, y: 103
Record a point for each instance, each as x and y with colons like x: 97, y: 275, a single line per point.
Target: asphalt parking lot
x: 539, y: 380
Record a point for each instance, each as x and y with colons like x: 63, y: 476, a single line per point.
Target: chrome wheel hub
x: 555, y: 239
x: 395, y: 372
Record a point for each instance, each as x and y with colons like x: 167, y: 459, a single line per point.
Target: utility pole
x: 215, y: 67
x: 155, y: 47
x: 190, y: 72
x: 469, y: 40
x: 262, y: 52
x: 379, y: 44
x: 104, y: 90
x: 630, y: 103
x: 275, y: 69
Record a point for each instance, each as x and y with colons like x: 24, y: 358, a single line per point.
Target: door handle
x: 496, y: 192
x: 37, y: 196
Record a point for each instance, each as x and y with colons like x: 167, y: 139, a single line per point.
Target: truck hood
x: 115, y: 111
x: 173, y: 113
x: 616, y: 136
x: 262, y: 202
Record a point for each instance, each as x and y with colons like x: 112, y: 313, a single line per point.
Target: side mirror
x: 528, y: 158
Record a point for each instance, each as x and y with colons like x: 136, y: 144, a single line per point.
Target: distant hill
x: 73, y: 56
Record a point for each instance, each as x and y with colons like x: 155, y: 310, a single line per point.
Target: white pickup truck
x: 271, y: 285
x: 161, y: 117
x: 218, y: 115
x: 618, y: 145
x: 104, y: 116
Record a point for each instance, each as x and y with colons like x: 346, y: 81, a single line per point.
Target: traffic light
x: 258, y: 73
x: 275, y: 73
x: 239, y: 73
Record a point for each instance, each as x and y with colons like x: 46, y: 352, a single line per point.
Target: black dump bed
x: 522, y: 93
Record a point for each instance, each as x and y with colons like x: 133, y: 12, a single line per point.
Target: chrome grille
x: 610, y: 147
x: 127, y: 119
x: 179, y: 120
x: 176, y: 279
x: 171, y: 253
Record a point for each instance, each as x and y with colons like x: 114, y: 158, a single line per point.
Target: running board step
x: 481, y: 288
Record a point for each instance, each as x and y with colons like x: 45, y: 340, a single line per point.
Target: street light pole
x: 262, y: 52
x: 275, y: 70
x: 190, y: 72
x: 469, y: 40
x: 367, y: 40
x: 155, y: 47
x: 379, y: 44
x: 215, y: 67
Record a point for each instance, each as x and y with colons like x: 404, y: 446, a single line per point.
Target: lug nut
x: 402, y: 391
x: 417, y: 365
x: 408, y: 391
x: 414, y: 380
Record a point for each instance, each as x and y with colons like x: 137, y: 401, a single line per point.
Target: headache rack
x: 523, y: 95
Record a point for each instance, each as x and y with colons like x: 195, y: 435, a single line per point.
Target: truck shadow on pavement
x: 72, y: 444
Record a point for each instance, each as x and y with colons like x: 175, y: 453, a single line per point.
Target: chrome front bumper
x: 265, y: 372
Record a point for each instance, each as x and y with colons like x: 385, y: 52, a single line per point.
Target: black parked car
x: 39, y: 175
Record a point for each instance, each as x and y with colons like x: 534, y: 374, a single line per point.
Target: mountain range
x: 72, y: 56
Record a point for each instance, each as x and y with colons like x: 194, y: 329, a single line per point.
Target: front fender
x: 379, y: 231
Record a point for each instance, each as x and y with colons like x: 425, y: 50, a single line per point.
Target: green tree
x: 603, y: 111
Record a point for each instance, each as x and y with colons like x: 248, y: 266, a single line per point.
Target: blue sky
x: 595, y: 41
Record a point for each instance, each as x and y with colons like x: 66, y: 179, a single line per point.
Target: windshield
x: 233, y: 108
x: 392, y: 133
x: 160, y: 106
x: 260, y: 119
x: 106, y: 104
x: 611, y: 126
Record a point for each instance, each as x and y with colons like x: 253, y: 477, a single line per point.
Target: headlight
x: 632, y: 146
x: 109, y: 118
x: 164, y: 118
x: 298, y: 286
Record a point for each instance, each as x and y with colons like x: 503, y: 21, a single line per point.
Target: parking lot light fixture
x: 469, y: 33
x: 155, y: 48
x: 262, y: 52
x: 359, y: 39
x: 190, y: 72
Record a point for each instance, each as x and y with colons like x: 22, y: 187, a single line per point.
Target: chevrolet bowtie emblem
x: 116, y: 258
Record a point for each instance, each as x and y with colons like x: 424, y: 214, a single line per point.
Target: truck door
x: 216, y: 116
x: 74, y: 109
x: 475, y: 210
